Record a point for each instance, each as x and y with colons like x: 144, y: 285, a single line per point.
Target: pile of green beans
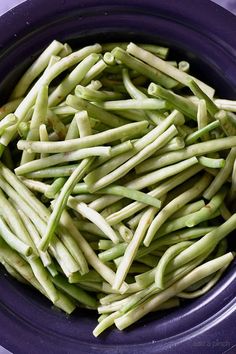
x: 117, y: 181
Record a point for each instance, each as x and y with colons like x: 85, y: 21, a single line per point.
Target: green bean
x: 35, y: 186
x: 157, y: 176
x: 14, y: 222
x: 109, y: 58
x: 132, y: 247
x: 195, y: 275
x: 131, y: 89
x: 174, y: 118
x: 181, y: 103
x: 197, y: 91
x: 64, y: 110
x: 145, y: 103
x: 160, y: 51
x: 146, y: 279
x: 135, y: 93
x: 96, y: 96
x: 209, y: 241
x: 205, y: 289
x: 189, y: 208
x: 227, y: 105
x: 211, y: 163
x: 224, y: 211
x: 115, y: 150
x: 73, y: 79
x: 91, y: 276
x: 113, y: 252
x: 202, y: 118
x: 23, y: 192
x: 184, y: 66
x: 57, y: 248
x: 191, y: 138
x: 127, y: 193
x: 38, y: 117
x: 144, y: 69
x: 12, y: 240
x: 135, y: 160
x: 150, y: 260
x: 55, y: 187
x: 59, y: 128
x: 33, y: 232
x: 125, y: 233
x: 95, y: 218
x: 43, y: 136
x: 179, y: 223
x: 190, y: 151
x: 227, y: 121
x: 66, y: 50
x: 222, y: 176
x: 94, y: 72
x: 74, y: 291
x: 173, y: 238
x: 88, y: 227
x: 6, y: 122
x: 74, y: 250
x: 61, y: 202
x: 83, y: 124
x: 157, y: 192
x: 36, y: 69
x: 46, y: 79
x: 60, y: 158
x: 90, y: 255
x: 41, y: 274
x: 132, y: 114
x: 24, y: 269
x: 232, y: 191
x: 166, y: 68
x: 54, y: 172
x: 72, y: 133
x: 170, y: 253
x: 174, y: 205
x: 90, y: 141
x: 176, y: 143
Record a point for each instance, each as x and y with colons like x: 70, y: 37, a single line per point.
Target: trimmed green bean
x: 61, y: 158
x: 135, y: 160
x: 191, y: 138
x: 195, y: 275
x: 222, y: 176
x: 169, y: 254
x: 190, y: 151
x: 36, y: 69
x: 166, y: 68
x: 227, y: 121
x: 73, y: 79
x: 211, y: 163
x: 174, y: 205
x: 102, y: 138
x: 12, y: 240
x: 197, y: 91
x: 61, y: 202
x: 144, y: 69
x: 181, y: 103
x: 132, y: 247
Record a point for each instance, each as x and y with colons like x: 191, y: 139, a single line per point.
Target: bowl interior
x: 212, y: 60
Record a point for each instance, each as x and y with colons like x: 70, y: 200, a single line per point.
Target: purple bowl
x: 196, y: 29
